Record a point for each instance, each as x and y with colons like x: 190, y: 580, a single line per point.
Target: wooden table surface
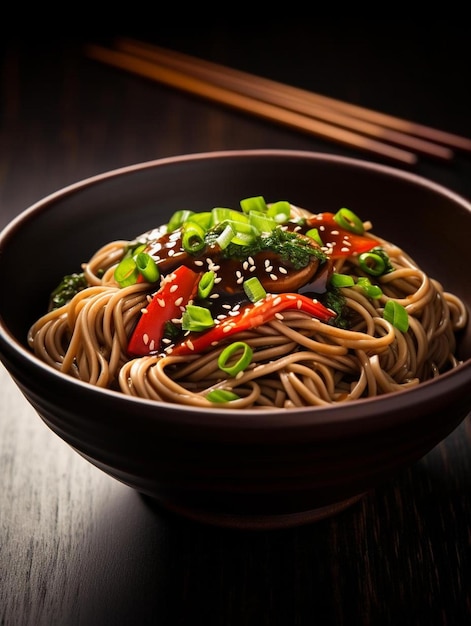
x: 79, y: 548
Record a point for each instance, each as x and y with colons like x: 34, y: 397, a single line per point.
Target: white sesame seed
x: 250, y: 260
x: 245, y: 265
x: 253, y: 268
x: 276, y: 301
x: 240, y: 280
x: 178, y: 301
x: 228, y: 328
x: 166, y: 340
x: 173, y: 288
x: 145, y: 338
x: 282, y: 270
x: 269, y: 268
x: 161, y: 302
x: 214, y: 295
x: 335, y: 232
x: 299, y: 304
x: 273, y: 276
x: 217, y: 279
x: 279, y: 316
x: 345, y: 249
x: 267, y: 262
x: 226, y: 306
x: 199, y: 263
x: 144, y: 311
x: 152, y: 345
x: 238, y: 273
x: 171, y: 252
x: 189, y: 344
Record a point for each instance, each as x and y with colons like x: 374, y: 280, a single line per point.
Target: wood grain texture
x: 77, y: 548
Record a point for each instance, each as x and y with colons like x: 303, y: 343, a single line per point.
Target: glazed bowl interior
x: 258, y: 465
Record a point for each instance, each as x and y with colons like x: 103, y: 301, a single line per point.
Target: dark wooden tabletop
x: 79, y: 548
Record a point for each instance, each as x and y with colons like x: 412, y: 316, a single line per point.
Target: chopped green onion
x: 372, y: 263
x: 280, y: 211
x: 255, y: 203
x: 262, y: 222
x: 221, y: 214
x: 221, y: 395
x: 126, y: 272
x: 204, y: 219
x: 254, y: 289
x: 371, y: 291
x: 206, y: 284
x: 397, y: 315
x: 341, y: 280
x: 196, y: 318
x: 147, y: 267
x: 225, y: 238
x: 177, y: 219
x: 313, y: 233
x: 245, y: 234
x: 349, y: 221
x: 226, y: 359
x: 193, y: 237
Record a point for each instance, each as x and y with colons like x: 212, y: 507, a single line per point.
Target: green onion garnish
x: 341, y: 280
x: 313, y: 233
x: 254, y: 289
x: 221, y: 395
x: 147, y: 267
x: 193, y: 237
x: 255, y: 203
x: 196, y: 318
x: 397, y: 315
x: 226, y: 359
x: 280, y: 211
x: 372, y: 263
x: 126, y: 272
x: 177, y: 219
x: 349, y: 221
x: 371, y: 291
x: 206, y: 284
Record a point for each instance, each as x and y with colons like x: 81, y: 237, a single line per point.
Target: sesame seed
x: 299, y: 304
x: 145, y: 338
x: 228, y: 328
x: 178, y: 301
x: 173, y: 288
x: 269, y: 268
x: 267, y: 262
x: 282, y: 270
x: 161, y: 302
x: 245, y: 265
x: 273, y: 276
x: 171, y: 252
x: 239, y: 374
x: 144, y: 311
x: 253, y: 268
x: 250, y: 260
x: 166, y: 340
x: 217, y: 279
x: 226, y: 306
x: 345, y: 249
x: 152, y: 345
x: 238, y: 273
x: 279, y: 316
x: 240, y: 280
x: 190, y: 344
x: 199, y: 263
x: 335, y: 232
x: 214, y: 295
x: 276, y: 301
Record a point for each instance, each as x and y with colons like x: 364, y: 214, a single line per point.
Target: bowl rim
x: 431, y: 390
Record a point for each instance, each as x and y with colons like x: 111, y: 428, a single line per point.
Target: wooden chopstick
x: 196, y: 86
x: 305, y: 102
x: 294, y: 99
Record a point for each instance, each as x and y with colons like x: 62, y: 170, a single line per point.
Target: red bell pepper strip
x: 251, y: 316
x: 339, y: 241
x: 176, y: 290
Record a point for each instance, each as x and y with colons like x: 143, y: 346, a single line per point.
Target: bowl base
x: 259, y: 522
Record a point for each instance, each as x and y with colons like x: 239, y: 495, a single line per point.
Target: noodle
x: 297, y: 359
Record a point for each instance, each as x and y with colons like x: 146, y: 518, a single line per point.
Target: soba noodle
x: 297, y: 359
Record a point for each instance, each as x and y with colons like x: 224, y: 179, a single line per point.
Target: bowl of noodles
x: 251, y: 339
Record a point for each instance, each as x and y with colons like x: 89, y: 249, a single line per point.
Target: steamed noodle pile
x: 297, y: 361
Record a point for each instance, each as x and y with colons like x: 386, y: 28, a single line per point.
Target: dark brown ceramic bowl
x: 236, y: 468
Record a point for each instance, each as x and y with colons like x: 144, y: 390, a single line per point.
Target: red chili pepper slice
x: 177, y: 289
x: 339, y: 241
x: 251, y: 316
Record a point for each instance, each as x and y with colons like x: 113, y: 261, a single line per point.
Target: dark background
x: 78, y: 548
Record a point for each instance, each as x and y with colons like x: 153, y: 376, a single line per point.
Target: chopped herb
x: 69, y: 286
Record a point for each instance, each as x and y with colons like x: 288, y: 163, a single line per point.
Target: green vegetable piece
x: 313, y: 233
x: 372, y: 263
x: 280, y: 211
x: 206, y: 284
x: 178, y: 219
x: 126, y: 272
x: 254, y: 289
x: 221, y: 395
x: 349, y: 221
x: 69, y: 286
x: 396, y: 314
x: 197, y: 318
x: 254, y: 203
x: 371, y: 291
x: 147, y: 267
x: 193, y: 237
x: 341, y: 280
x: 226, y: 360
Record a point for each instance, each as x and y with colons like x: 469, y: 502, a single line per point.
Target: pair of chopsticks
x: 334, y: 120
